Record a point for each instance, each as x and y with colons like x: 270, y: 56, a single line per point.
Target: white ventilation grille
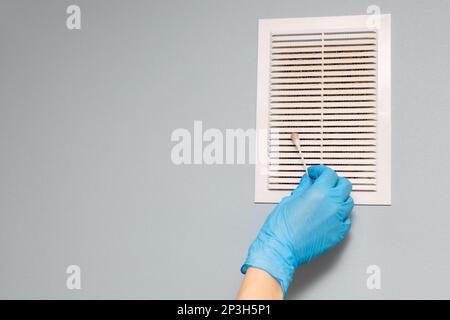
x: 323, y: 83
x: 323, y: 86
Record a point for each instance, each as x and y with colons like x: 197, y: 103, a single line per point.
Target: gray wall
x: 85, y: 170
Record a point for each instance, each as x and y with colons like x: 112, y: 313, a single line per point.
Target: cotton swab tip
x: 294, y: 136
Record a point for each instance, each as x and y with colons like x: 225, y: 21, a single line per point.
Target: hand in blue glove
x: 312, y: 220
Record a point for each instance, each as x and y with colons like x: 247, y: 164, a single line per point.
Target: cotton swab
x: 296, y: 140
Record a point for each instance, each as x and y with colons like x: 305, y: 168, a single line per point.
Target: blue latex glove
x: 313, y: 219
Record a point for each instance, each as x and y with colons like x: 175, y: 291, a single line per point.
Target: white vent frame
x: 382, y: 195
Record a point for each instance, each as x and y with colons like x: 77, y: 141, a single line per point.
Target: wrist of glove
x: 312, y: 220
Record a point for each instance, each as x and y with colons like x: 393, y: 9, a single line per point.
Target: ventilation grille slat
x: 323, y: 86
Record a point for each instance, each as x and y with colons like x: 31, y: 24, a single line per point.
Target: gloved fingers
x: 303, y: 185
x: 324, y: 176
x: 345, y: 209
x: 343, y: 188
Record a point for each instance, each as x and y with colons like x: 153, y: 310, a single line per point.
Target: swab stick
x: 296, y: 140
